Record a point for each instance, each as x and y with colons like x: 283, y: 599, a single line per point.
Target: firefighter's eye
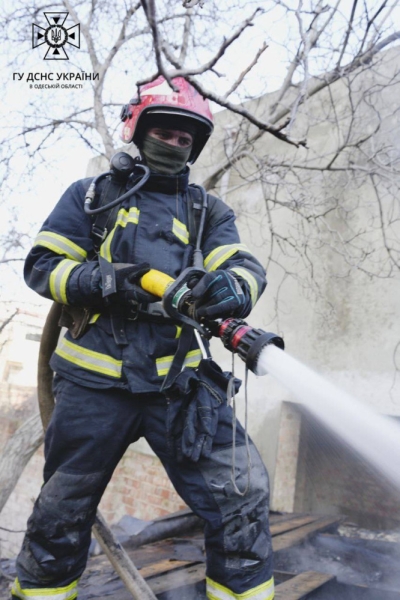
x: 185, y: 141
x: 165, y: 135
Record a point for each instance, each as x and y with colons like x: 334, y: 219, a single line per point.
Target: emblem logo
x: 55, y: 36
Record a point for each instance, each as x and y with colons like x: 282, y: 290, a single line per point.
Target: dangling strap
x: 231, y: 397
x: 197, y: 207
x: 185, y: 341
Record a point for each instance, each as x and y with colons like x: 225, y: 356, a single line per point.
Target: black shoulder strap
x: 195, y: 205
x: 104, y: 221
x: 196, y: 221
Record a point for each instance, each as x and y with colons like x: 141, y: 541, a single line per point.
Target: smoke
x: 373, y: 436
x: 352, y: 561
x: 186, y: 592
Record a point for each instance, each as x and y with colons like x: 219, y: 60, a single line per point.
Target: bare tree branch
x: 243, y: 74
x: 8, y: 320
x: 317, y: 86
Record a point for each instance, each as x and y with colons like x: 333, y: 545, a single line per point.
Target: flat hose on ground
x: 116, y: 554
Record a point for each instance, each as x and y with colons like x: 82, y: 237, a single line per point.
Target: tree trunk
x: 17, y: 453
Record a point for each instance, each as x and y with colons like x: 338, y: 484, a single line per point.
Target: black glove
x: 119, y: 283
x: 84, y: 286
x: 217, y: 295
x: 128, y: 291
x: 193, y: 410
x: 201, y: 422
x: 104, y: 283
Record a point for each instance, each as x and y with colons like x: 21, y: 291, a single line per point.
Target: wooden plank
x: 301, y: 585
x: 164, y: 566
x: 294, y: 523
x: 177, y: 578
x: 278, y: 517
x: 283, y: 576
x: 167, y: 549
x: 280, y: 542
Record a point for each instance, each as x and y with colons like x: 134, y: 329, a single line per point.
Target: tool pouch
x: 75, y: 319
x: 194, y: 399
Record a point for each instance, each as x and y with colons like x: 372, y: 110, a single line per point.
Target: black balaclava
x: 160, y: 156
x: 163, y: 157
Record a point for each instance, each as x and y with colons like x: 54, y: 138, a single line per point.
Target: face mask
x: 164, y: 158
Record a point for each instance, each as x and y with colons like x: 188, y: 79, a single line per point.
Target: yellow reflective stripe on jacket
x: 69, y: 592
x: 60, y: 245
x: 163, y: 364
x: 123, y: 218
x: 221, y: 254
x: 251, y: 280
x: 89, y: 359
x: 180, y: 230
x: 58, y: 280
x: 94, y: 318
x: 216, y: 591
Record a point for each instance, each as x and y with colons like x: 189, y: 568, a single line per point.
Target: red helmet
x: 188, y: 107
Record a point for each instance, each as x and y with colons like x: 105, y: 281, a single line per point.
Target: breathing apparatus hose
x: 123, y: 175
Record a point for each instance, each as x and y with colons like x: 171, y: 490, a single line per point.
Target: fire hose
x: 236, y: 335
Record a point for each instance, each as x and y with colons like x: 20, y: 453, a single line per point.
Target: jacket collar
x: 167, y: 184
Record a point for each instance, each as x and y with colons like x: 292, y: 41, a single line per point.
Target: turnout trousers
x: 89, y: 432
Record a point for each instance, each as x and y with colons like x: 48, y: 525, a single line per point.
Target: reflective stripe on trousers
x: 265, y: 591
x: 68, y: 592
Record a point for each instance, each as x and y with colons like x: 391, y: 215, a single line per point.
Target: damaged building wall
x: 332, y: 477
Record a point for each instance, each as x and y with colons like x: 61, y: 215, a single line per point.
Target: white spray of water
x: 374, y: 436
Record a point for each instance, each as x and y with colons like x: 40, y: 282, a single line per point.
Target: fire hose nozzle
x: 236, y: 335
x: 248, y: 342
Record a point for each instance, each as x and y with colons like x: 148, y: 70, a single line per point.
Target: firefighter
x: 108, y: 376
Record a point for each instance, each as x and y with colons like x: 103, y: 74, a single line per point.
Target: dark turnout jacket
x: 151, y: 226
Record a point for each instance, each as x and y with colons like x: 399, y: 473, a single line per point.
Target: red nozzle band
x: 238, y: 336
x: 235, y: 341
x: 223, y: 327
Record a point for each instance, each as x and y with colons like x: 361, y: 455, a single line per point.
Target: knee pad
x: 59, y: 529
x: 244, y: 524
